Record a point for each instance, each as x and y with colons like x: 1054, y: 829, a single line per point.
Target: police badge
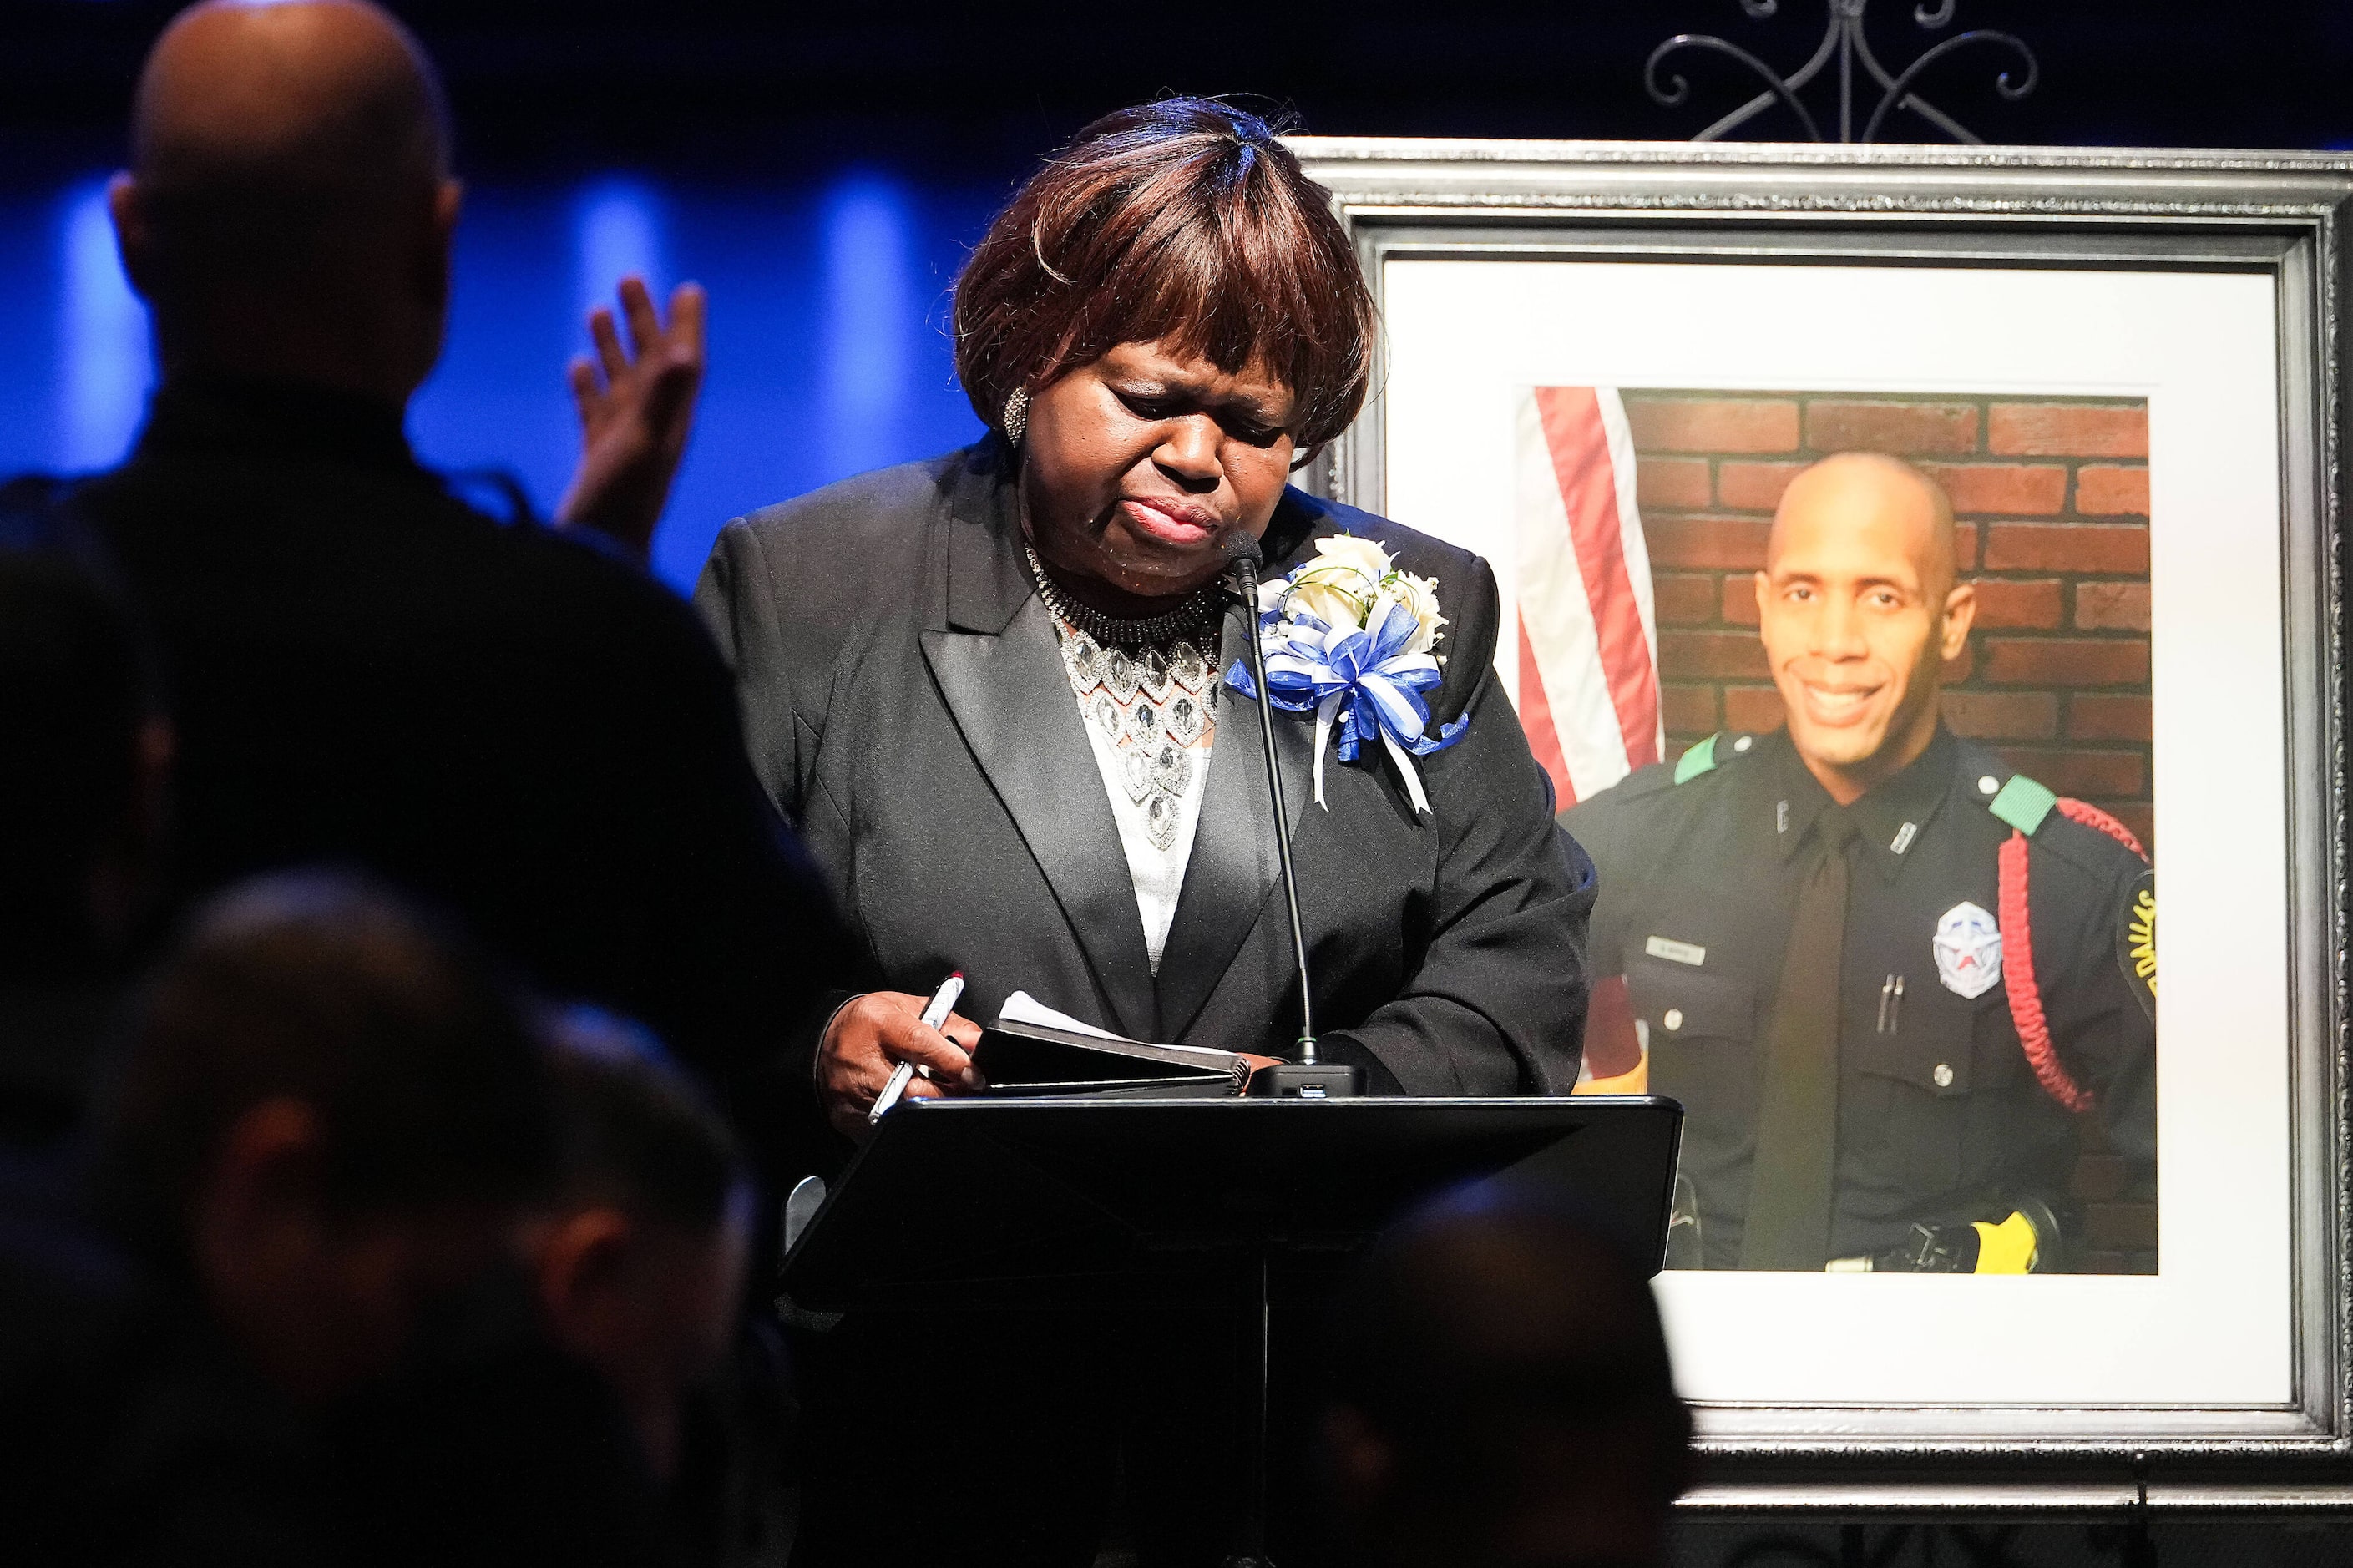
x: 1968, y: 950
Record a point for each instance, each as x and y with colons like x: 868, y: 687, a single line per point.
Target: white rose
x: 1361, y: 555
x: 1420, y: 595
x: 1338, y: 586
x: 1328, y: 597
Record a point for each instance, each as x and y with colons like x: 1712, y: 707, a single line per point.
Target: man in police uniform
x: 1881, y: 1067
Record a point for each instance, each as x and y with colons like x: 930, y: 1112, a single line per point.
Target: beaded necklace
x: 1147, y: 688
x: 1190, y: 620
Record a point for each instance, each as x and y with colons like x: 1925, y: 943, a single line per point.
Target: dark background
x: 824, y: 168
x: 982, y: 88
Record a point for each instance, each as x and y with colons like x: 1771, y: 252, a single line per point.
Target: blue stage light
x: 871, y: 315
x: 103, y: 367
x: 619, y: 233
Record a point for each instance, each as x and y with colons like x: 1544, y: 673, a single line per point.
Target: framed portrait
x: 1604, y: 368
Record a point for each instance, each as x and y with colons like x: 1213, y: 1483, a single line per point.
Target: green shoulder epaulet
x: 1700, y: 759
x: 1708, y: 756
x: 2022, y: 803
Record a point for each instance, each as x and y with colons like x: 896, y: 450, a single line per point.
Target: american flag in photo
x: 1588, y: 636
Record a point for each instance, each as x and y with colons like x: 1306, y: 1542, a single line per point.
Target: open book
x: 1031, y: 1049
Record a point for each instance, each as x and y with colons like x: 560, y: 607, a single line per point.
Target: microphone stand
x: 1306, y: 1078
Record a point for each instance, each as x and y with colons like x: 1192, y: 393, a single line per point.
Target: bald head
x: 1855, y: 493
x: 329, y: 99
x: 289, y: 201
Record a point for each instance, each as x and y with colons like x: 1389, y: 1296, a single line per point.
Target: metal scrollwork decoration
x: 1843, y: 40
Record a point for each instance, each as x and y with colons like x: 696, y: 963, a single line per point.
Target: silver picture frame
x: 2283, y: 216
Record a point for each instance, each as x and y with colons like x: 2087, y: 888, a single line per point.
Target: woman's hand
x: 870, y: 1036
x: 635, y: 414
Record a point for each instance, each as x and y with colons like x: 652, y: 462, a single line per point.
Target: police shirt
x: 1941, y: 1119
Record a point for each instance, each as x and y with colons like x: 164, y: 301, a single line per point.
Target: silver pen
x: 935, y: 1012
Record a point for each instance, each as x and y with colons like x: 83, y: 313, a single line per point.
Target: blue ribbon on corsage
x: 1360, y: 684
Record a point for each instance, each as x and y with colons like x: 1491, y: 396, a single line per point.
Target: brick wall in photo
x: 2051, y: 495
x: 2053, y: 499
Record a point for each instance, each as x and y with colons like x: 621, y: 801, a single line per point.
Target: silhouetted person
x: 1501, y: 1396
x: 639, y: 1256
x: 82, y: 781
x: 519, y: 725
x: 641, y: 1251
x: 331, y: 1117
x: 81, y: 771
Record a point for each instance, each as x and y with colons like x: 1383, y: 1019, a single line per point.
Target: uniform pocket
x: 1682, y: 1002
x: 1937, y: 1046
x: 1702, y: 1032
x: 1913, y: 1089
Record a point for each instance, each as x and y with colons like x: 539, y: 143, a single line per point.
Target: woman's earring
x: 1016, y: 415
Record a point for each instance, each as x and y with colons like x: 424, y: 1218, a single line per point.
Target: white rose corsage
x: 1349, y: 636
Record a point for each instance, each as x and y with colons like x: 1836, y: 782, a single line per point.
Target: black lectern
x: 1077, y: 1202
x: 1072, y: 1203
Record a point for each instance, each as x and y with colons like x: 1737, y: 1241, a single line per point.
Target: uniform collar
x: 1889, y: 820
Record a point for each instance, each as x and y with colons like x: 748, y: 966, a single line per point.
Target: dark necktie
x: 1797, y: 1115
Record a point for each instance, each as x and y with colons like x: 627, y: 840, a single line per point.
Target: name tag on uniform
x: 1679, y: 952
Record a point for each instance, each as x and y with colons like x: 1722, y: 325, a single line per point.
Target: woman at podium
x: 1004, y: 694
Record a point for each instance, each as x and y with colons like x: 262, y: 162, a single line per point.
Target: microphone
x: 1306, y: 1079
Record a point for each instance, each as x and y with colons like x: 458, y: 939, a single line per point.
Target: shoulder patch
x: 1700, y: 759
x: 1710, y: 753
x: 2022, y: 803
x: 2137, y: 940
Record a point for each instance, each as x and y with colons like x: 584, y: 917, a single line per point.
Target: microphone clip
x: 1307, y: 1081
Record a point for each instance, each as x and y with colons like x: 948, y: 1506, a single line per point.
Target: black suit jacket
x: 905, y: 705
x: 363, y: 668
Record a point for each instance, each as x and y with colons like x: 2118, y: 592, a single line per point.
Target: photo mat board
x: 2055, y: 334
x: 1544, y: 322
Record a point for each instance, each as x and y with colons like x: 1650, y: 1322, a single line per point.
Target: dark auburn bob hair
x: 1182, y: 222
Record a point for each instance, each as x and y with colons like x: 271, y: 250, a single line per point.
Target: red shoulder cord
x: 2018, y: 954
